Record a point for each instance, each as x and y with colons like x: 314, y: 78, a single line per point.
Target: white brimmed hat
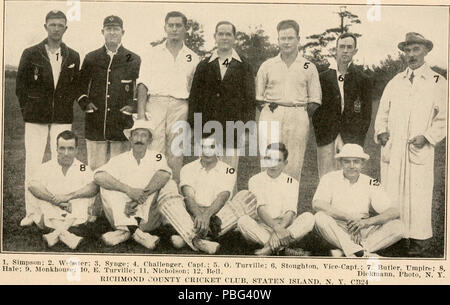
x: 138, y: 124
x: 352, y: 151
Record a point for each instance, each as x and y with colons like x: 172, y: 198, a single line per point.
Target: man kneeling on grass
x: 131, y: 185
x: 64, y: 190
x: 345, y: 200
x: 277, y: 197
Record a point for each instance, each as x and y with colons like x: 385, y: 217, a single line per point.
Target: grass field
x: 29, y: 239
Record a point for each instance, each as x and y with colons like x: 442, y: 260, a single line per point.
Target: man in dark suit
x: 46, y: 89
x: 345, y: 113
x: 223, y: 89
x: 107, y: 85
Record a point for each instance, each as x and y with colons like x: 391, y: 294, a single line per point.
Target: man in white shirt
x: 206, y: 184
x: 289, y: 88
x: 131, y: 185
x: 345, y: 201
x: 63, y: 189
x: 276, y: 193
x: 164, y: 84
x: 411, y: 120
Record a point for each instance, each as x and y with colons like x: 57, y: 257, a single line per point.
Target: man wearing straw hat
x: 130, y: 186
x: 411, y: 120
x: 346, y: 199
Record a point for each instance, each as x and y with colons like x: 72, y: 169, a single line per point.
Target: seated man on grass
x: 346, y: 199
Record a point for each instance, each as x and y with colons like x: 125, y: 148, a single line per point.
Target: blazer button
x: 218, y: 94
x: 109, y: 109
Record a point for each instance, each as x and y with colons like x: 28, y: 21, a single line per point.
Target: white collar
x: 164, y: 46
x: 421, y: 71
x: 47, y: 48
x: 215, y: 168
x: 111, y: 53
x: 234, y: 55
x: 334, y: 66
x: 299, y: 58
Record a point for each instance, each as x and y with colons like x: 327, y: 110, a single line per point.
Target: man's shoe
x: 296, y: 252
x: 70, y: 240
x: 26, y: 221
x: 51, y: 239
x: 337, y: 253
x: 177, y: 241
x: 210, y: 247
x: 147, y: 240
x: 115, y: 237
x: 263, y: 251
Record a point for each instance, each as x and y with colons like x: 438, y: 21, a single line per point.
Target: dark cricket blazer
x: 40, y: 102
x: 230, y: 99
x: 109, y: 87
x: 354, y: 121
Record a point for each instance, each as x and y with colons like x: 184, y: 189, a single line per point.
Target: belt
x: 273, y: 106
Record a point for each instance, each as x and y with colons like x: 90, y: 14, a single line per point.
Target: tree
x: 194, y: 38
x: 318, y: 49
x: 255, y: 46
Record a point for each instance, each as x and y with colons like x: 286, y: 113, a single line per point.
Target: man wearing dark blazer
x: 107, y: 85
x: 223, y: 89
x: 46, y: 89
x: 345, y: 113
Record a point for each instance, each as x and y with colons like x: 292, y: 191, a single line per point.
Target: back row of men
x: 172, y: 84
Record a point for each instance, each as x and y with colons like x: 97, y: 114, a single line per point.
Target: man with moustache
x: 278, y: 225
x: 63, y: 188
x: 164, y: 86
x: 289, y: 88
x: 345, y: 113
x: 411, y: 120
x: 223, y: 90
x: 107, y: 86
x: 131, y: 185
x: 46, y: 89
x: 354, y: 212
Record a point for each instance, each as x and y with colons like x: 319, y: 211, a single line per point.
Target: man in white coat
x: 411, y: 120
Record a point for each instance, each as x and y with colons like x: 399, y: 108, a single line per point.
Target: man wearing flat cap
x: 131, y: 185
x: 107, y: 86
x: 345, y: 201
x: 411, y: 120
x: 46, y: 89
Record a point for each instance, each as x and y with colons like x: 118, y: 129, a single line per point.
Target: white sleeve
x: 255, y: 190
x: 323, y: 192
x: 261, y: 81
x: 381, y: 120
x: 291, y: 203
x: 145, y: 70
x: 438, y: 129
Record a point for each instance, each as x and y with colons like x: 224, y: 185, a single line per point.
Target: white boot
x: 115, y: 237
x: 70, y: 240
x: 210, y: 247
x: 51, y: 238
x: 147, y: 240
x: 177, y: 241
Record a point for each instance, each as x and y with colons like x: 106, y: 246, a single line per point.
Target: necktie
x: 411, y: 77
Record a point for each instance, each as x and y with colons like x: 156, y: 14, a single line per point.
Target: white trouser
x: 293, y: 123
x: 99, y: 152
x: 165, y: 112
x: 260, y: 233
x: 35, y: 144
x: 373, y: 238
x: 114, y: 203
x: 52, y: 215
x: 325, y: 156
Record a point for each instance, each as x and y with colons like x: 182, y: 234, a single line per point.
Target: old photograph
x: 225, y: 129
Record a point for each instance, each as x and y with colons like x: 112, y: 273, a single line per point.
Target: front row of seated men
x: 138, y: 195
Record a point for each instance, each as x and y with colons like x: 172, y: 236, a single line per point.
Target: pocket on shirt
x: 420, y: 156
